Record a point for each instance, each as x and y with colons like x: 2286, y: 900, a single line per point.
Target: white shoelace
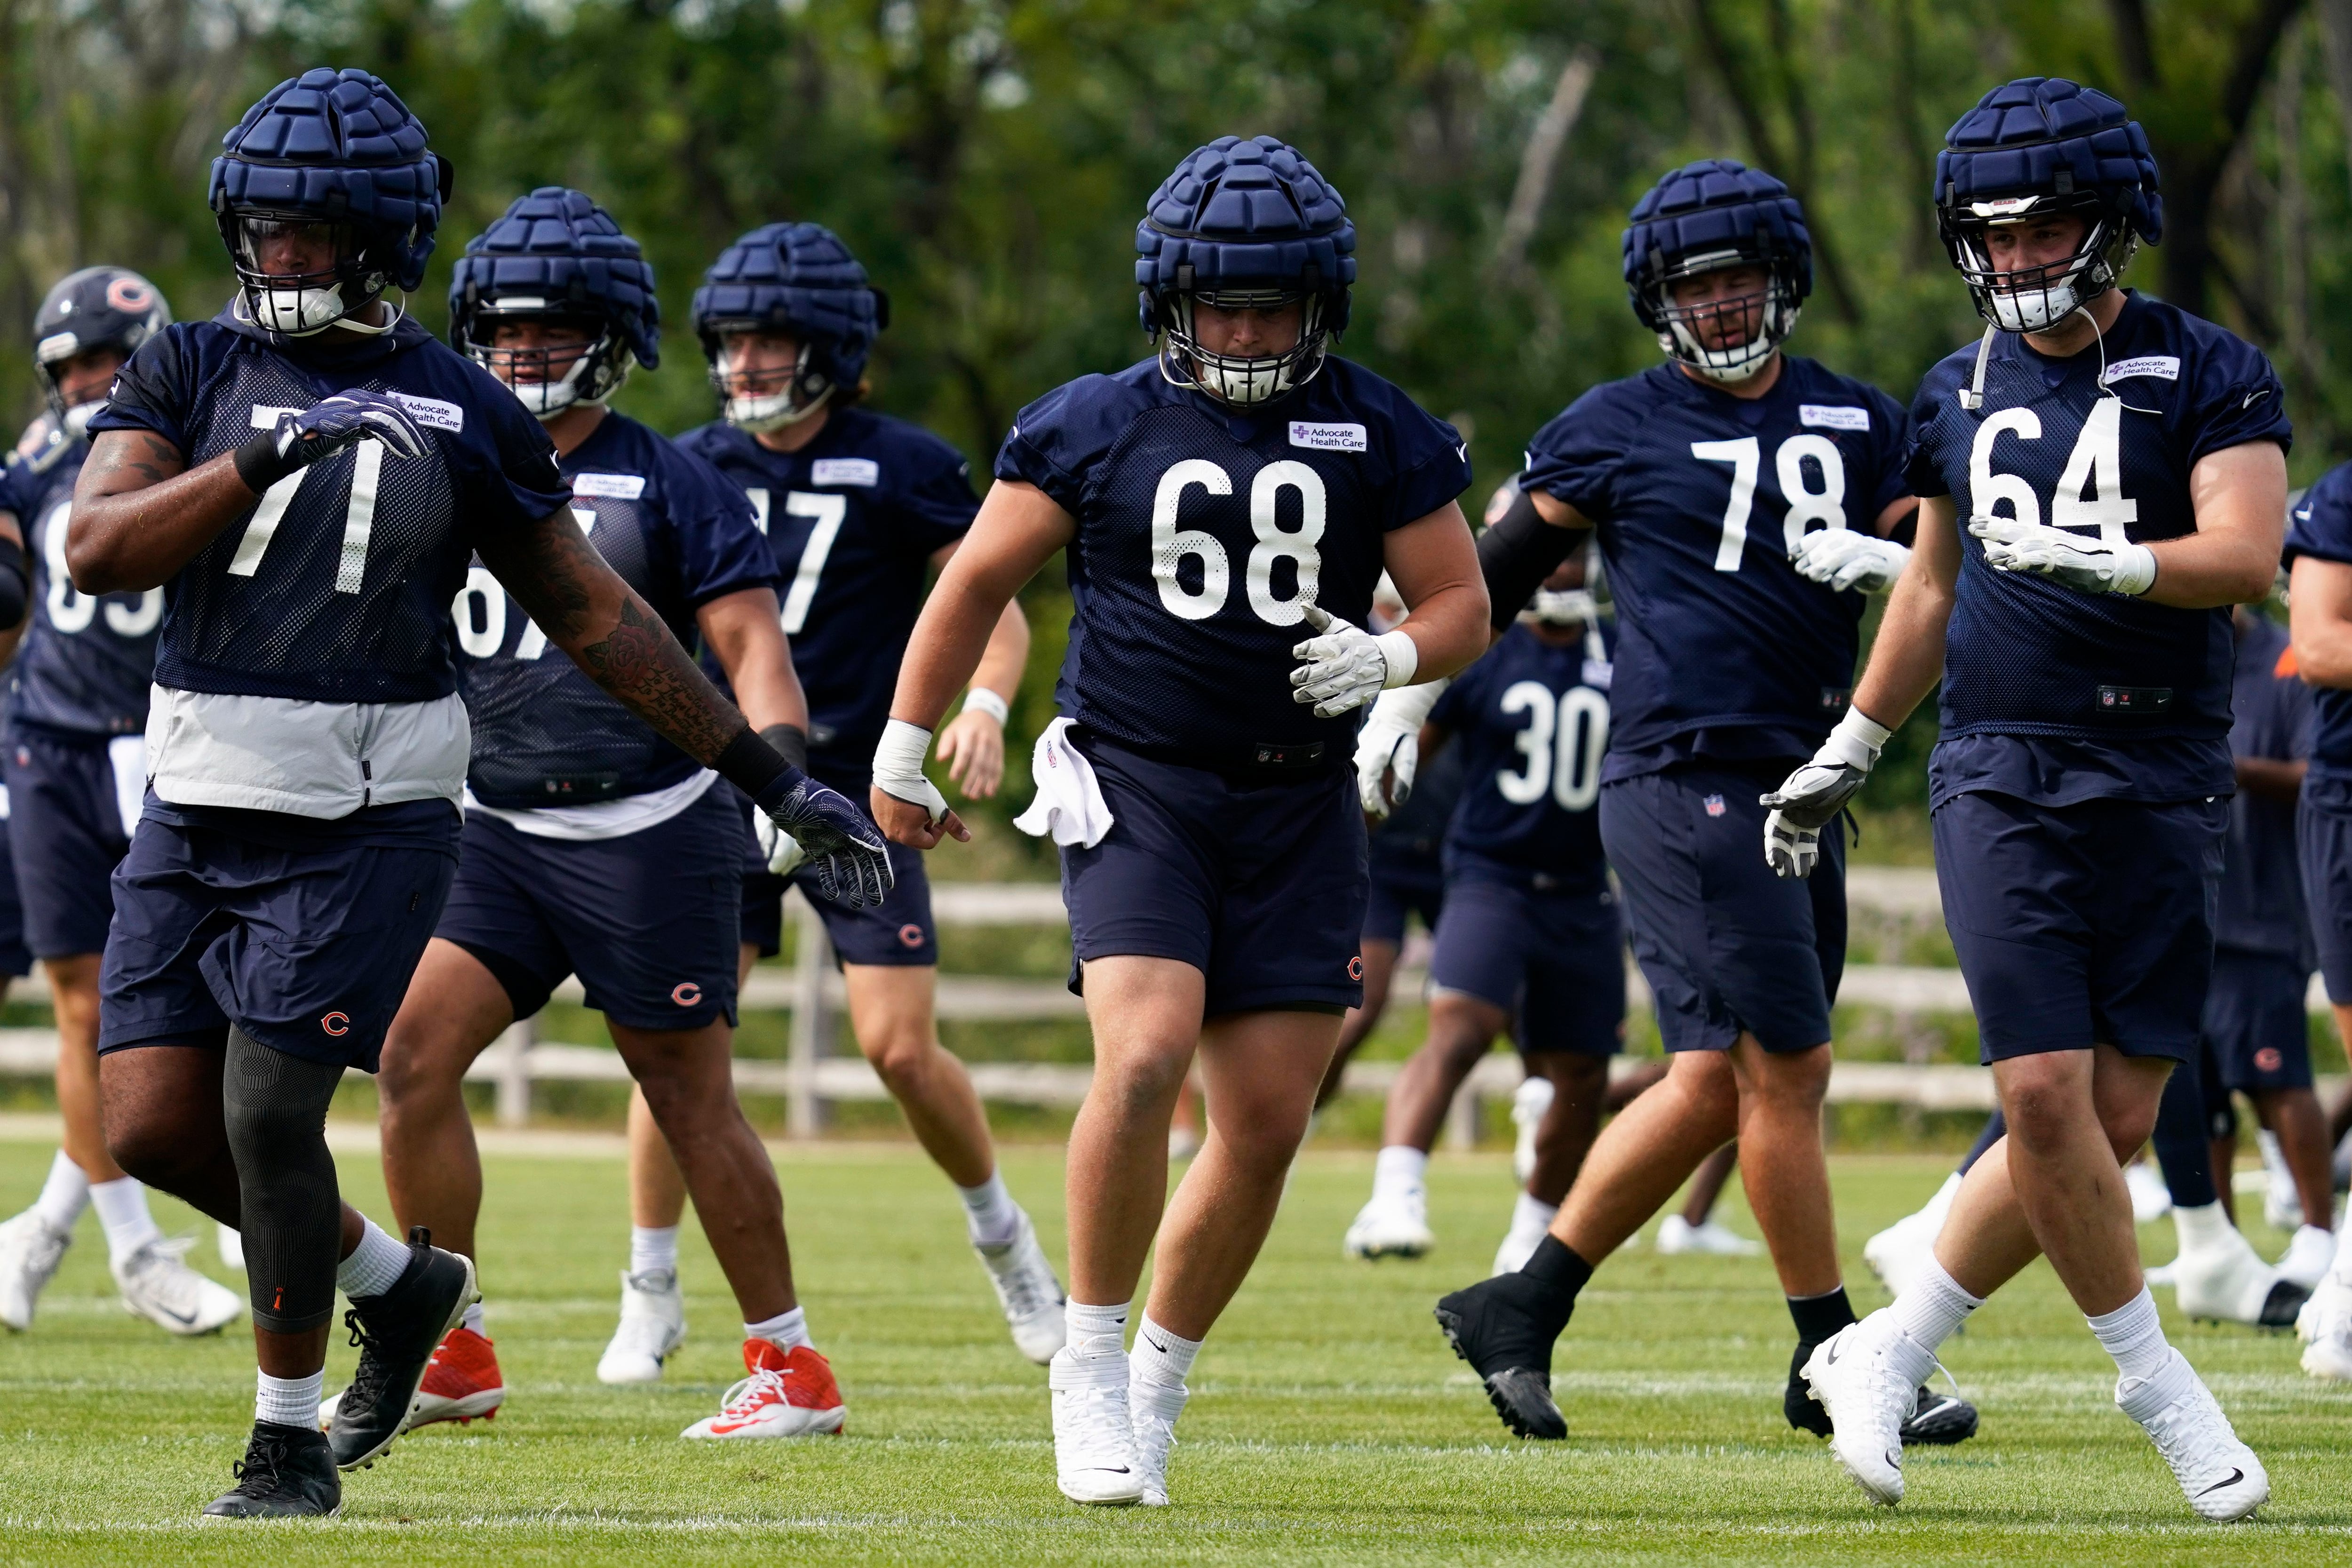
x: 1092, y: 1428
x: 744, y: 1399
x: 2195, y: 1438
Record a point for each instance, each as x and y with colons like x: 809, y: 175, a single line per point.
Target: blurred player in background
x: 2102, y: 476
x: 74, y: 758
x: 1240, y: 491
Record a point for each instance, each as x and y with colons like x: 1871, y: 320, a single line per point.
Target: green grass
x: 1329, y: 1424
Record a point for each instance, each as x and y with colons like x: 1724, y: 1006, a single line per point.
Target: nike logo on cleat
x: 2233, y: 1477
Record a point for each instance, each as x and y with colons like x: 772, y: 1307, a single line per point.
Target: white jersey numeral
x: 1743, y: 455
x: 481, y: 589
x: 359, y: 510
x: 827, y: 510
x: 70, y: 610
x: 1988, y: 489
x: 1274, y: 544
x: 2095, y: 465
x: 1806, y: 505
x: 1170, y: 545
x: 1562, y: 742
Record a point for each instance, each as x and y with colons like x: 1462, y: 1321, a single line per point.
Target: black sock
x: 1819, y: 1318
x: 1558, y: 1268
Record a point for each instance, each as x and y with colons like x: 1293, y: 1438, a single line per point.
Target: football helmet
x: 797, y: 279
x: 1703, y: 217
x: 97, y: 307
x: 556, y: 256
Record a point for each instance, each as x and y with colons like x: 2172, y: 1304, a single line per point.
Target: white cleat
x: 2308, y: 1253
x: 1094, y: 1437
x: 2150, y: 1199
x: 30, y: 1249
x: 1153, y: 1408
x: 1867, y: 1377
x: 158, y: 1285
x: 2282, y: 1202
x: 2227, y: 1281
x: 1896, y: 1253
x: 1677, y: 1236
x: 1517, y: 1247
x: 2221, y: 1476
x: 1034, y: 1303
x: 2325, y: 1326
x: 1392, y: 1225
x: 1527, y: 1108
x: 232, y: 1247
x: 653, y: 1324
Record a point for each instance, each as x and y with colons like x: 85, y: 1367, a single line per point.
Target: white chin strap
x: 546, y: 399
x: 1728, y: 367
x: 78, y: 416
x: 1562, y: 608
x: 2036, y: 308
x: 758, y: 416
x: 1243, y: 382
x: 303, y: 312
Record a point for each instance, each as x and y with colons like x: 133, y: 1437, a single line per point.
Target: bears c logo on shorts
x: 910, y: 936
x: 685, y: 994
x: 336, y: 1023
x: 1356, y: 967
x: 2268, y: 1059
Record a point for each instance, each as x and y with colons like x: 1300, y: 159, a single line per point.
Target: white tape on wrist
x: 1858, y: 739
x: 899, y: 760
x: 979, y: 699
x: 1402, y: 659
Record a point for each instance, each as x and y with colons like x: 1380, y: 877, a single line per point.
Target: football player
x: 75, y: 768
x: 1743, y: 498
x: 2103, y: 475
x: 310, y: 473
x: 1228, y: 506
x: 856, y: 507
x: 1530, y: 940
x: 592, y: 845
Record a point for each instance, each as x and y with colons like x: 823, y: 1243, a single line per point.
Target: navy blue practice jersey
x: 546, y: 734
x: 2322, y: 526
x: 1202, y: 533
x: 1532, y: 720
x: 2055, y: 695
x: 853, y: 520
x: 2261, y: 908
x: 1698, y: 497
x: 336, y: 587
x: 85, y: 660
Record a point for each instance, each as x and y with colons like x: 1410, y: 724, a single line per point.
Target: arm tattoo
x: 132, y: 460
x: 571, y: 592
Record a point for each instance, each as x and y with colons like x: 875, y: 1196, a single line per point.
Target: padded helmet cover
x: 1710, y: 206
x: 557, y: 245
x: 797, y: 278
x: 1246, y: 215
x: 2048, y: 136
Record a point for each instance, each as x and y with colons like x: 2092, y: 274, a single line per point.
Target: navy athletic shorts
x: 304, y: 932
x: 69, y: 826
x: 1554, y: 959
x: 15, y: 958
x: 1256, y: 881
x: 2256, y: 1034
x: 898, y: 933
x: 2323, y: 835
x: 1402, y: 885
x: 647, y: 921
x: 1725, y: 945
x: 2084, y: 924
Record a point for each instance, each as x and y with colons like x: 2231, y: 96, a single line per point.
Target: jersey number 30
x: 1562, y: 742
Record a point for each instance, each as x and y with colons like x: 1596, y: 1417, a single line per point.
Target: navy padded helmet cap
x: 1243, y: 213
x: 798, y: 277
x: 2047, y: 136
x: 1715, y: 204
x: 561, y: 247
x: 339, y: 144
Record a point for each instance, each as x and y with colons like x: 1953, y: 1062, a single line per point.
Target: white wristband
x: 982, y: 699
x: 1858, y: 739
x: 898, y: 755
x: 1402, y: 657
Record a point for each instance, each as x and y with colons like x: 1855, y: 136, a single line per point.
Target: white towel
x: 128, y: 756
x: 1069, y: 805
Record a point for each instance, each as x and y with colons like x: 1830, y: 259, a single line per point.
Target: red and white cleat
x: 461, y: 1383
x: 789, y: 1394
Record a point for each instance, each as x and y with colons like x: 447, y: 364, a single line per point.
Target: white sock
x: 121, y: 1207
x: 289, y: 1401
x: 988, y: 1212
x: 473, y: 1320
x: 2134, y: 1335
x: 1097, y: 1331
x: 785, y: 1330
x: 1401, y: 1168
x: 1162, y: 1357
x: 374, y: 1266
x: 653, y: 1247
x: 1531, y: 1215
x: 63, y: 1196
x: 1932, y: 1306
x: 2203, y: 1228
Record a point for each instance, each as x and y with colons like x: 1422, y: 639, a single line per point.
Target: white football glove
x: 1845, y: 559
x: 1790, y: 851
x: 899, y: 768
x: 1346, y: 665
x: 783, y: 851
x: 2081, y: 561
x: 1389, y: 745
x: 1811, y: 797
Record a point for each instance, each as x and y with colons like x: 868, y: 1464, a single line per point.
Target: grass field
x: 1329, y: 1424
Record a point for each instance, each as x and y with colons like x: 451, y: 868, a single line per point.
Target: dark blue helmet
x: 2034, y: 148
x: 1703, y: 217
x: 335, y: 164
x: 796, y: 279
x: 1245, y: 226
x: 557, y: 257
x: 96, y: 308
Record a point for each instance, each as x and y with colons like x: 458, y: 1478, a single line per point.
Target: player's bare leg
x: 1394, y: 1223
x: 1380, y: 973
x: 455, y: 1008
x: 2293, y: 1117
x: 1785, y: 1172
x: 1561, y: 1138
x: 891, y: 1012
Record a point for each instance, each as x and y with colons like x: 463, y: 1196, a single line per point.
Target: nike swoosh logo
x: 1834, y: 1353
x: 1155, y: 1344
x: 175, y: 1316
x: 2234, y: 1478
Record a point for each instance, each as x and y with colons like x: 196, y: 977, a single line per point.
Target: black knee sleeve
x: 275, y: 1109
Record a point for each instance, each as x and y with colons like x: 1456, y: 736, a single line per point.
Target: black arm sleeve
x: 1517, y: 553
x: 1905, y: 532
x: 15, y: 591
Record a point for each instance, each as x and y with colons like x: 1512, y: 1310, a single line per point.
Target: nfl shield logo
x: 1714, y: 805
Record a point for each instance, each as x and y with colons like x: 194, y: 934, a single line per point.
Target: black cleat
x: 1805, y: 1413
x: 398, y: 1333
x: 2284, y: 1304
x: 1504, y: 1327
x: 288, y: 1472
x: 1939, y: 1420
